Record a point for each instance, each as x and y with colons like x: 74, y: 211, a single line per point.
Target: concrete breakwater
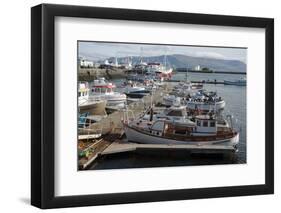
x: 90, y: 74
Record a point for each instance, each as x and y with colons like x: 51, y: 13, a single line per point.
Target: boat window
x: 198, y: 123
x: 175, y: 113
x: 205, y: 123
x: 159, y: 125
x: 212, y: 124
x: 180, y: 131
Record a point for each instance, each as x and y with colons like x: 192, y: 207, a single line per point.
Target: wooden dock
x: 96, y: 148
x: 120, y: 147
x: 200, y: 82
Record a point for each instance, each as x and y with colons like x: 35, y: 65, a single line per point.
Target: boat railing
x: 128, y: 115
x: 88, y: 126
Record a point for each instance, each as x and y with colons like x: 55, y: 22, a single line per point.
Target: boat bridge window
x: 100, y: 90
x: 175, y: 113
x: 180, y: 132
x: 198, y: 123
x: 205, y: 123
x: 158, y: 125
x: 212, y: 124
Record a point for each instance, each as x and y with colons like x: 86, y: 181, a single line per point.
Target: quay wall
x: 90, y: 74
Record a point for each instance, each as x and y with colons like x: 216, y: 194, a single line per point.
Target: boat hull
x: 235, y: 83
x: 94, y: 108
x: 206, y: 106
x: 140, y: 137
x: 137, y: 94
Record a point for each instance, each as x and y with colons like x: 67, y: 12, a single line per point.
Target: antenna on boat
x: 165, y: 57
x: 151, y: 107
x: 230, y: 119
x: 215, y: 109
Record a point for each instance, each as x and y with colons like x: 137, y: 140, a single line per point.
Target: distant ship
x: 159, y: 70
x: 239, y: 82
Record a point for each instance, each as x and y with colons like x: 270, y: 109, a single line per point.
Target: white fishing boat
x: 161, y: 71
x: 132, y: 90
x: 188, y: 86
x: 203, y: 131
x: 205, y: 103
x: 239, y: 82
x: 105, y: 90
x: 168, y: 100
x: 88, y: 103
x: 200, y: 100
x: 179, y: 113
x: 176, y: 113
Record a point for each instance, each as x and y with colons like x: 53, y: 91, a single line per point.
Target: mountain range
x: 184, y: 61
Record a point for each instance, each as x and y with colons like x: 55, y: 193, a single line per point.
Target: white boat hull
x: 204, y: 106
x: 139, y: 137
x: 236, y: 83
x: 93, y: 107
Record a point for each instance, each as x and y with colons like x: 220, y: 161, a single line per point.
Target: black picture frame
x: 43, y: 102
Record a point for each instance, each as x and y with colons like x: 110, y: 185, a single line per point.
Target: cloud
x: 103, y: 50
x: 209, y: 55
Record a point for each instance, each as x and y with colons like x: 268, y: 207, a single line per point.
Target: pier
x: 112, y: 132
x: 210, y: 71
x: 114, y: 144
x: 90, y: 74
x: 200, y: 82
x: 119, y: 146
x: 96, y: 148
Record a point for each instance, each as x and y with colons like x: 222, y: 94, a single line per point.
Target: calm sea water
x: 235, y: 97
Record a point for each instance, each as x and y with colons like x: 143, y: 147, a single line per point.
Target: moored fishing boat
x: 176, y: 113
x: 205, y: 102
x: 203, y: 131
x: 159, y: 70
x: 239, y: 82
x: 105, y: 90
x: 88, y: 103
x: 132, y: 90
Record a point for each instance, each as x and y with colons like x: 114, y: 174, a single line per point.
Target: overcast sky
x: 102, y: 50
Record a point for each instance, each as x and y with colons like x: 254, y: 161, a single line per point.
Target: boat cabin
x: 205, y: 124
x: 176, y: 112
x: 162, y: 127
x: 102, y: 86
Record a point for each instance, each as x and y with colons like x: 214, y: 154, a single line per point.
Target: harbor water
x: 235, y: 98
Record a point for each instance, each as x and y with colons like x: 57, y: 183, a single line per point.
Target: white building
x: 197, y: 68
x: 86, y: 64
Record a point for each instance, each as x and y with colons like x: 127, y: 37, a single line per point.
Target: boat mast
x: 151, y: 107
